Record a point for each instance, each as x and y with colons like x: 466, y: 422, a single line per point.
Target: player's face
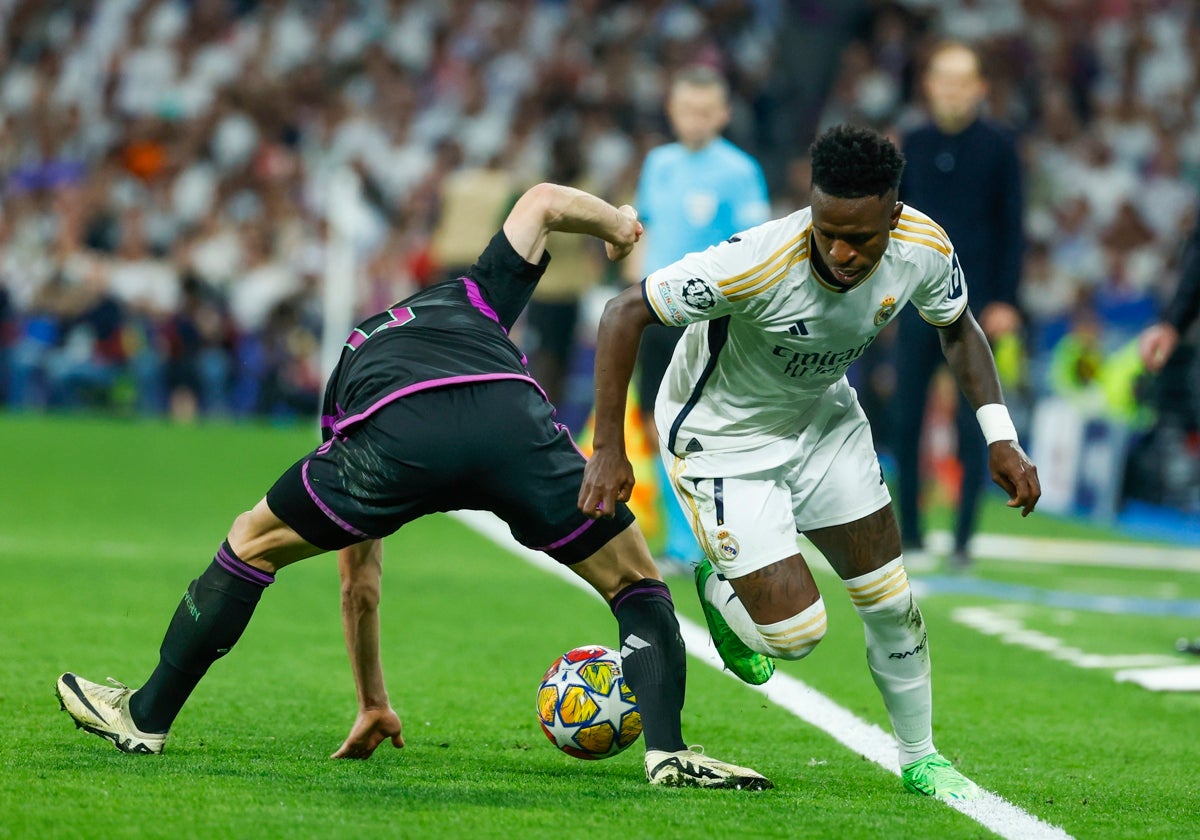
x: 698, y: 113
x: 851, y: 234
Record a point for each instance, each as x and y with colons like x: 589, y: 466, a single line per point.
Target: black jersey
x: 452, y: 333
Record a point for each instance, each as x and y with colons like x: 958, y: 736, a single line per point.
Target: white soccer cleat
x: 104, y: 710
x: 691, y: 768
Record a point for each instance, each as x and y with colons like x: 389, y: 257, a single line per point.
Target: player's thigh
x: 862, y: 546
x: 746, y: 529
x: 529, y: 475
x: 833, y: 470
x: 407, y: 459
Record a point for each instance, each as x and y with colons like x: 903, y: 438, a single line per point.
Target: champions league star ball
x: 584, y: 706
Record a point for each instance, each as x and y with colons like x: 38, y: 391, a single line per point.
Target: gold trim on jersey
x: 926, y: 239
x: 693, y: 512
x: 947, y: 322
x: 765, y: 265
x: 911, y: 214
x: 919, y: 230
x: 762, y: 285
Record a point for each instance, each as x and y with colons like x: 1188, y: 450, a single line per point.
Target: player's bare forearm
x: 553, y: 207
x: 970, y: 359
x: 608, y: 477
x: 361, y: 570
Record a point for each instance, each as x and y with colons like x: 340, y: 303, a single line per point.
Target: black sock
x: 208, y: 622
x: 654, y: 660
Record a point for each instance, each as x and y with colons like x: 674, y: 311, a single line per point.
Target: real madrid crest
x: 727, y: 544
x: 887, y: 308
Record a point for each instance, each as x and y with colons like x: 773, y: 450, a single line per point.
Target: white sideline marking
x: 867, y: 739
x: 1074, y: 552
x: 1008, y: 628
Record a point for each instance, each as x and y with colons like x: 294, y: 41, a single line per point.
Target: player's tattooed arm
x: 361, y: 570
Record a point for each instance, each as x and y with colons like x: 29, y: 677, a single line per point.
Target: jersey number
x: 400, y: 316
x: 956, y: 281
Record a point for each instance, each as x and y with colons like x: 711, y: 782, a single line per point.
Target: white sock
x: 795, y: 637
x: 898, y: 653
x: 719, y: 592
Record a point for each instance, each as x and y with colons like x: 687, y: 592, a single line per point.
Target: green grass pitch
x: 102, y: 523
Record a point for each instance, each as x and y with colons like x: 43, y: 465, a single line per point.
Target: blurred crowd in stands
x: 1104, y: 96
x: 165, y: 165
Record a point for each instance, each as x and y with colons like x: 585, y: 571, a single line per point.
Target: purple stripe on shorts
x: 655, y: 588
x: 329, y: 421
x: 241, y: 569
x: 476, y: 298
x: 563, y: 428
x: 333, y: 517
x: 431, y: 384
x: 568, y: 538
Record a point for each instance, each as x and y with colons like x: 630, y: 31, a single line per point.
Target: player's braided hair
x: 851, y: 162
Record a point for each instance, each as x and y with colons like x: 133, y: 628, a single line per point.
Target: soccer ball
x: 584, y: 706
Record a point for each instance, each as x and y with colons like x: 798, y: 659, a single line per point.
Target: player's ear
x: 896, y: 211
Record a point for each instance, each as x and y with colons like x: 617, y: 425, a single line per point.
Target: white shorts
x: 829, y: 475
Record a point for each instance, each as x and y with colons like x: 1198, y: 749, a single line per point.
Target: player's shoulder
x: 917, y: 235
x: 788, y: 231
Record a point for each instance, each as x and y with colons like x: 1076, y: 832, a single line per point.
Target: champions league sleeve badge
x: 698, y: 295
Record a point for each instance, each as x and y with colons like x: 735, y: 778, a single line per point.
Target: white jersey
x: 767, y: 337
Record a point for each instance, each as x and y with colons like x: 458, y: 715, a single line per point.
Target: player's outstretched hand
x: 371, y: 728
x: 1016, y: 475
x: 617, y: 251
x: 607, y: 479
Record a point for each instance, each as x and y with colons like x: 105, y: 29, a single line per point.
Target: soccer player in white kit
x: 764, y: 437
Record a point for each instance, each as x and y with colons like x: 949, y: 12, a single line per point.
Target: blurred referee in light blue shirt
x: 691, y: 194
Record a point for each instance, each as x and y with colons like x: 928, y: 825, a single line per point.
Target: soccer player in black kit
x: 431, y: 408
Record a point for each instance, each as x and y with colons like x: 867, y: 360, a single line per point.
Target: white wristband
x: 996, y: 423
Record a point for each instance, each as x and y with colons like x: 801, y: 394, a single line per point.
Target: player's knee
x: 242, y: 532
x: 795, y: 637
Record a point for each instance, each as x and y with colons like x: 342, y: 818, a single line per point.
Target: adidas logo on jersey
x: 798, y: 328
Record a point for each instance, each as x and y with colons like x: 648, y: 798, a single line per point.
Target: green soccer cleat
x: 748, y: 665
x: 935, y: 776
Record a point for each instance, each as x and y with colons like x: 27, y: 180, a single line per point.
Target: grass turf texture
x: 103, y: 523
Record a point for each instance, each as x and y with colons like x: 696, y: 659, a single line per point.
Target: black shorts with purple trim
x: 484, y: 445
